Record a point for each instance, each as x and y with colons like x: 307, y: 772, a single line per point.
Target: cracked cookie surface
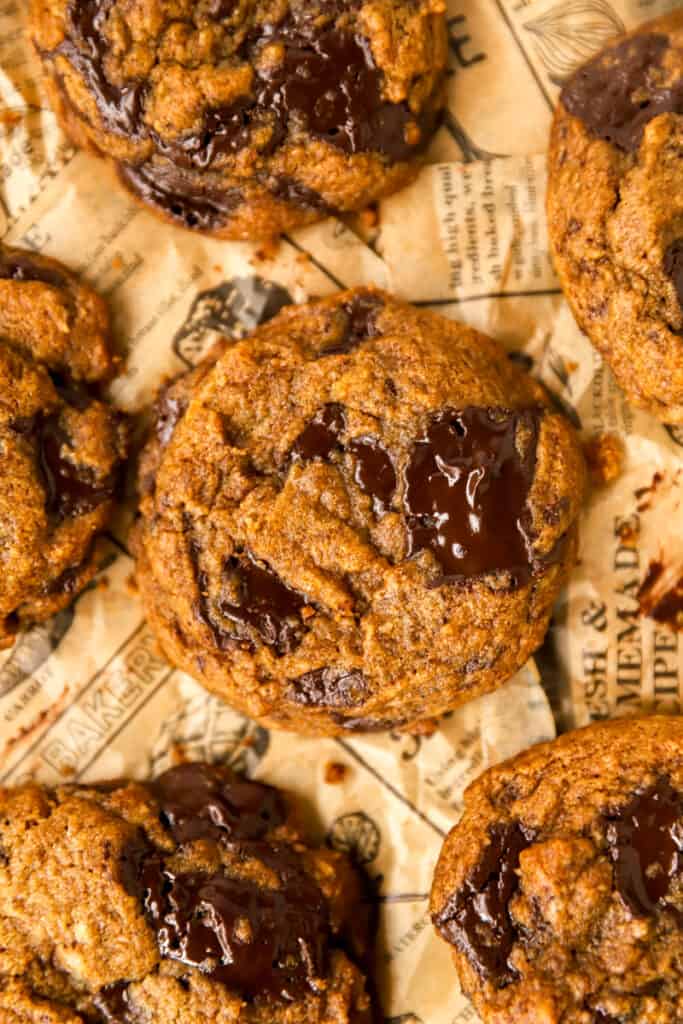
x: 561, y: 889
x: 356, y: 518
x: 615, y: 209
x: 189, y: 898
x: 247, y: 118
x: 61, y: 444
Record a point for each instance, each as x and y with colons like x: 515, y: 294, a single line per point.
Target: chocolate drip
x: 331, y: 687
x: 466, y: 492
x: 645, y: 840
x: 477, y: 918
x: 616, y: 95
x: 203, y: 801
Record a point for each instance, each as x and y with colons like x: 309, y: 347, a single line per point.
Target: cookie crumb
x: 335, y: 773
x: 604, y: 455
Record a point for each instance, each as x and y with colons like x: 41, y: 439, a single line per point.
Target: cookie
x: 194, y: 897
x: 61, y: 444
x: 561, y: 889
x: 615, y: 209
x: 356, y: 518
x: 246, y: 119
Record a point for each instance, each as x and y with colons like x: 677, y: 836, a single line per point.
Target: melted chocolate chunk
x: 326, y: 84
x: 168, y: 412
x: 264, y: 603
x: 16, y: 267
x: 329, y: 687
x: 203, y: 801
x: 466, y: 492
x: 68, y: 581
x: 329, y: 84
x: 174, y: 194
x: 477, y: 919
x: 120, y: 106
x: 70, y: 490
x: 645, y: 839
x: 615, y: 94
x: 291, y: 191
x: 673, y: 267
x: 373, y: 471
x: 361, y: 323
x: 321, y: 437
x: 253, y: 939
x: 112, y: 1003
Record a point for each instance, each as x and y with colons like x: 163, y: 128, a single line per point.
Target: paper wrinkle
x: 87, y: 695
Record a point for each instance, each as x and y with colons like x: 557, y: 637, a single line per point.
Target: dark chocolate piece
x: 616, y: 93
x: 645, y: 840
x: 255, y: 940
x: 373, y: 471
x: 203, y: 801
x: 174, y: 194
x: 466, y: 492
x: 361, y: 323
x: 329, y: 687
x: 673, y: 267
x: 262, y: 602
x: 70, y: 490
x: 477, y: 919
x: 112, y: 1003
x: 86, y: 48
x: 321, y: 437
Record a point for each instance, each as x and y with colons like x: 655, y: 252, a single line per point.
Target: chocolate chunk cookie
x: 187, y: 899
x: 243, y: 118
x: 356, y: 518
x: 561, y: 890
x: 615, y: 209
x: 60, y: 444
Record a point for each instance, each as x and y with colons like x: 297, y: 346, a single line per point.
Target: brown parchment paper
x: 87, y: 695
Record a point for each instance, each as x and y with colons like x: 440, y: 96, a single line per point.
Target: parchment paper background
x: 87, y: 696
